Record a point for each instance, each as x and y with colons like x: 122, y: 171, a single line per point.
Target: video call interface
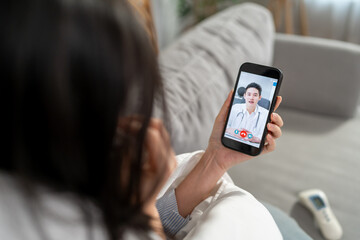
x: 250, y: 109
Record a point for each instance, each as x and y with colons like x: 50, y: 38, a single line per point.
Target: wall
x: 334, y: 19
x: 166, y: 21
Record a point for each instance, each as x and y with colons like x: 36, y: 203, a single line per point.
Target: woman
x: 83, y: 159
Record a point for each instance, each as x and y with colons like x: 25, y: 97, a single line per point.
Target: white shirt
x: 255, y: 122
x: 228, y: 213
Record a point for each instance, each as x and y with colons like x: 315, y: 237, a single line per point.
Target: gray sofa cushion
x: 200, y: 68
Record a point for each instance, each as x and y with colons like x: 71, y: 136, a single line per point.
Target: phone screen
x: 250, y: 108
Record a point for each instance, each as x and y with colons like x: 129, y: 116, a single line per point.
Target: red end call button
x: 243, y: 134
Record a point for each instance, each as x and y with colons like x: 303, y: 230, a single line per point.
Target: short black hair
x: 254, y: 85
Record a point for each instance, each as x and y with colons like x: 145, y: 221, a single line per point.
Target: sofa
x: 320, y: 146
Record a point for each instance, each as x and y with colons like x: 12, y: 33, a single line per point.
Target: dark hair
x: 241, y: 91
x: 254, y: 85
x: 70, y: 70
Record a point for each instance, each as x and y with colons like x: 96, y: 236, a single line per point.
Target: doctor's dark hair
x: 70, y: 70
x: 254, y: 85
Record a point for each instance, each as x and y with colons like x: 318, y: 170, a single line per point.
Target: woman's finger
x: 274, y: 130
x: 277, y: 120
x: 271, y: 144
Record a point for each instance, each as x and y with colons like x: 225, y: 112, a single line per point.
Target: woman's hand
x: 217, y: 159
x: 226, y: 158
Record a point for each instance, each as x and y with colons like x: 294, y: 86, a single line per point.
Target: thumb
x: 278, y: 101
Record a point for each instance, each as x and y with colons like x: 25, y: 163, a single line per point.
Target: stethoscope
x: 257, y: 120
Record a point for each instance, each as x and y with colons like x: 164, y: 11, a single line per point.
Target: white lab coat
x: 241, y: 119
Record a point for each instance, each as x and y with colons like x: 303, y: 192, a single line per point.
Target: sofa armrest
x: 320, y: 75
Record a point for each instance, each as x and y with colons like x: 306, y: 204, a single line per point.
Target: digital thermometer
x: 316, y: 201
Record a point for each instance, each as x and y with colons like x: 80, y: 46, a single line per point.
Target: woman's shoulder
x: 58, y: 215
x: 55, y: 216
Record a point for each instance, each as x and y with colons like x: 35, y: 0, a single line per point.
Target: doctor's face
x: 252, y: 97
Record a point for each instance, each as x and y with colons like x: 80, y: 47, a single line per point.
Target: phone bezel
x: 262, y: 71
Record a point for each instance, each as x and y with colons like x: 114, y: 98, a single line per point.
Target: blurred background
x: 333, y: 19
x: 317, y: 46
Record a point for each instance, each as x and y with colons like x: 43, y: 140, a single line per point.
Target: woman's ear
x: 150, y: 165
x: 159, y: 154
x: 159, y: 158
x: 152, y: 149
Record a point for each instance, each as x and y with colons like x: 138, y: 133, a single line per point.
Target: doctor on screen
x: 248, y: 117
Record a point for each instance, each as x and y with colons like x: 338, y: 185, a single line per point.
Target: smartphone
x: 252, y: 103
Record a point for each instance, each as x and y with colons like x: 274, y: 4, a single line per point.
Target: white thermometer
x: 316, y: 201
